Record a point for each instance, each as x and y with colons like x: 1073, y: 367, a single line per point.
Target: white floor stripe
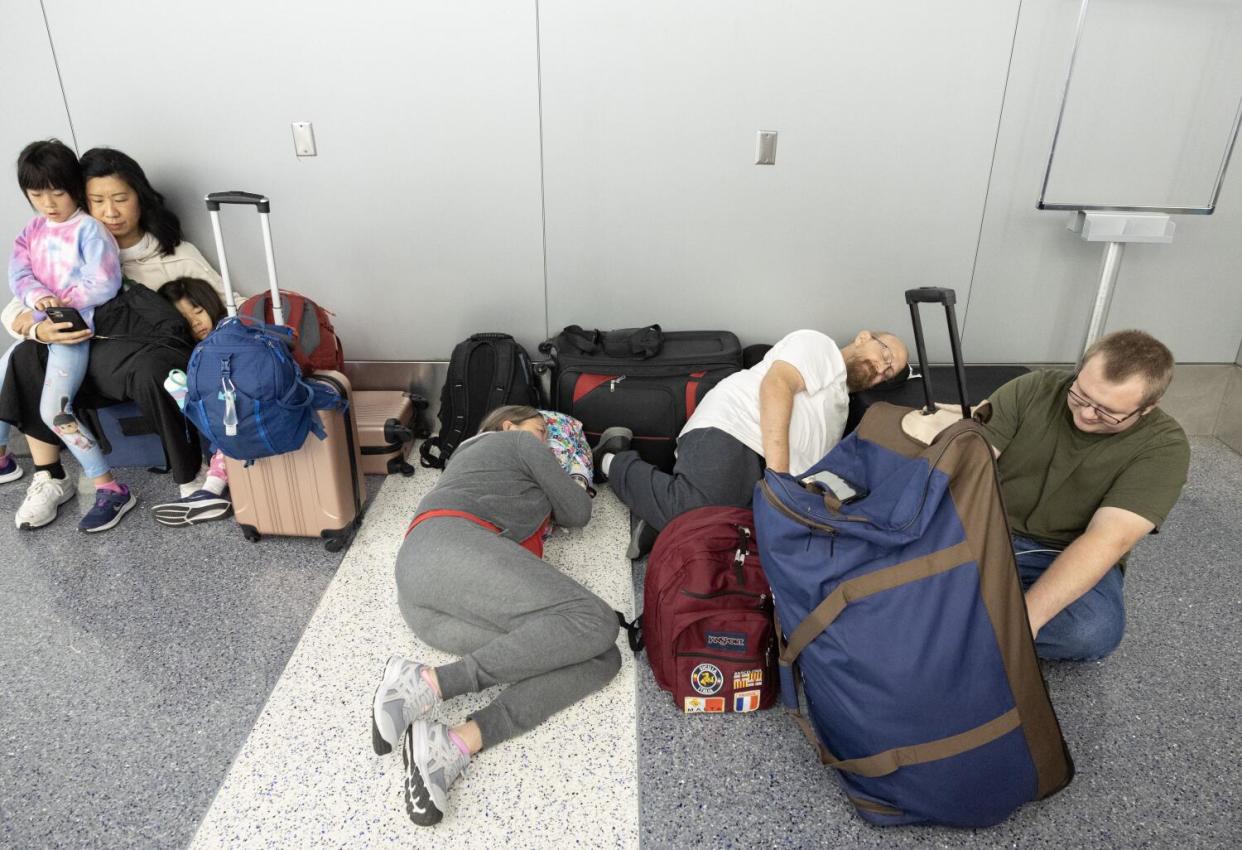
x: 306, y: 776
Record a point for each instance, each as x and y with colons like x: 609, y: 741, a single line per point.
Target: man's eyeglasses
x: 1110, y: 418
x: 887, y: 354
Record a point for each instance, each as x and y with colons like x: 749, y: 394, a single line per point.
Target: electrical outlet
x: 765, y: 148
x: 303, y: 138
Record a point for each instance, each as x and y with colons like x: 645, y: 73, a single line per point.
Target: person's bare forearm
x: 1075, y: 571
x: 1111, y: 533
x: 775, y: 411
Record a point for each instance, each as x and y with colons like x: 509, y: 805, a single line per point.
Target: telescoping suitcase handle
x: 947, y: 297
x: 264, y: 207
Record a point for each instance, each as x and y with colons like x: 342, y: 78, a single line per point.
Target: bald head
x: 872, y: 358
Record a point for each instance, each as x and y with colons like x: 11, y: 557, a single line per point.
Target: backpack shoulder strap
x: 297, y: 307
x: 633, y: 632
x: 453, y: 430
x: 255, y: 307
x: 502, y: 376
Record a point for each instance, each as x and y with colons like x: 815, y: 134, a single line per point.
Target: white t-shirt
x: 819, y: 413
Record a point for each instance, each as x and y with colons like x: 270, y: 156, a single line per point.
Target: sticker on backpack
x: 706, y: 679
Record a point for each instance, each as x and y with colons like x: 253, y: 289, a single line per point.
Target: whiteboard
x: 1150, y: 109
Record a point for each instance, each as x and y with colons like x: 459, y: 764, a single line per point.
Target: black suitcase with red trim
x: 645, y: 379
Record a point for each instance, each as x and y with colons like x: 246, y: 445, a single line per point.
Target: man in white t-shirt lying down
x: 785, y: 413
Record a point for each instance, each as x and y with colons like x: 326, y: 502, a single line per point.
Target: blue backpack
x: 246, y: 393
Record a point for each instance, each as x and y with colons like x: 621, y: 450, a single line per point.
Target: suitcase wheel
x: 334, y: 544
x: 398, y: 464
x: 395, y: 432
x: 251, y: 534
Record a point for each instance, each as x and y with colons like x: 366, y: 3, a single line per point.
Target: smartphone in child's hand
x: 67, y: 314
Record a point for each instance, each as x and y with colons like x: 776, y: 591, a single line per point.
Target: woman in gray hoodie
x: 471, y: 581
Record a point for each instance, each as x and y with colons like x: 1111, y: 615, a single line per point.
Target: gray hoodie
x: 512, y: 480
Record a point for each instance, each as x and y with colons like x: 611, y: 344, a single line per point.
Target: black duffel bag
x: 645, y: 379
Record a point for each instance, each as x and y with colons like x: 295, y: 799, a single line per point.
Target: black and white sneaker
x: 432, y: 763
x: 199, y: 506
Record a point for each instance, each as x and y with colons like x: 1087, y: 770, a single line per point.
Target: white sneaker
x: 43, y: 499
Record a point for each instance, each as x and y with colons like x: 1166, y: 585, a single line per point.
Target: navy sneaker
x: 108, y: 510
x: 199, y: 506
x: 10, y: 470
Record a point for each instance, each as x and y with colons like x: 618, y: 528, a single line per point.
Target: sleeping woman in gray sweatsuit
x: 469, y: 583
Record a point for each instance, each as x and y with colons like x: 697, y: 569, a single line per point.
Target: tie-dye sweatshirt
x: 75, y: 260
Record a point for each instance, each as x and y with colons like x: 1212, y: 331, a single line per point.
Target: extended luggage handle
x: 947, y: 297
x: 263, y: 206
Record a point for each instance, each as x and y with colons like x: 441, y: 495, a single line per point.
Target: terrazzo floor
x: 306, y: 776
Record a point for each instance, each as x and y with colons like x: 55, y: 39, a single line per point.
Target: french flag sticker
x: 746, y: 701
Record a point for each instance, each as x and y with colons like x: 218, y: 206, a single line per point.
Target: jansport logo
x: 727, y: 641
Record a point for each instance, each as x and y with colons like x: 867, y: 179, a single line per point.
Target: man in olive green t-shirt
x: 1089, y: 465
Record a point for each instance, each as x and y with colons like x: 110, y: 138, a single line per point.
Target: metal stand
x: 1113, y: 252
x: 1115, y: 230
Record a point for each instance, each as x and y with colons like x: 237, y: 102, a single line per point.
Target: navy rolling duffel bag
x: 905, y: 625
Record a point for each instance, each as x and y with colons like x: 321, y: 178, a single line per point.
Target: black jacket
x: 139, y: 338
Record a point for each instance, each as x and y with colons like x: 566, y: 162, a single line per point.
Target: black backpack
x: 485, y: 372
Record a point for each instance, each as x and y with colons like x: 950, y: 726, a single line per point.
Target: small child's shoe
x: 10, y: 469
x: 110, y: 506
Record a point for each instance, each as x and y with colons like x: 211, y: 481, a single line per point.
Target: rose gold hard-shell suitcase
x: 387, y: 424
x: 319, y: 490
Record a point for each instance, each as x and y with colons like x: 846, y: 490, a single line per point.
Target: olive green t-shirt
x: 1054, y: 476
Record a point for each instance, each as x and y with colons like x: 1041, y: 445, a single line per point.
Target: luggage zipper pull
x: 230, y: 407
x: 739, y: 557
x: 612, y: 385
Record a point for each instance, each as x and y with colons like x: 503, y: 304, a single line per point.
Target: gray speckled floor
x: 1154, y: 729
x: 133, y: 664
x: 306, y: 776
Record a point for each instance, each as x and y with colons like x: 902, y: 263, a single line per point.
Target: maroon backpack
x: 316, y: 346
x: 707, y: 614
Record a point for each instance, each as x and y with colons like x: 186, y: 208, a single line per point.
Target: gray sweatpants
x: 712, y: 468
x: 514, y: 619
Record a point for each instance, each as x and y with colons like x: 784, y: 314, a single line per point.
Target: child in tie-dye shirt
x: 65, y: 258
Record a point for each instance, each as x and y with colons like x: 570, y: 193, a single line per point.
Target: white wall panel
x: 887, y: 114
x: 418, y: 222
x: 1035, y: 282
x: 30, y: 107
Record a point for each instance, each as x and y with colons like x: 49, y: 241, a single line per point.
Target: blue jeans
x: 66, y: 367
x: 1087, y: 629
x: 5, y: 428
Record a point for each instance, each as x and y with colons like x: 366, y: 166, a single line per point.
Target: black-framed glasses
x: 1110, y: 418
